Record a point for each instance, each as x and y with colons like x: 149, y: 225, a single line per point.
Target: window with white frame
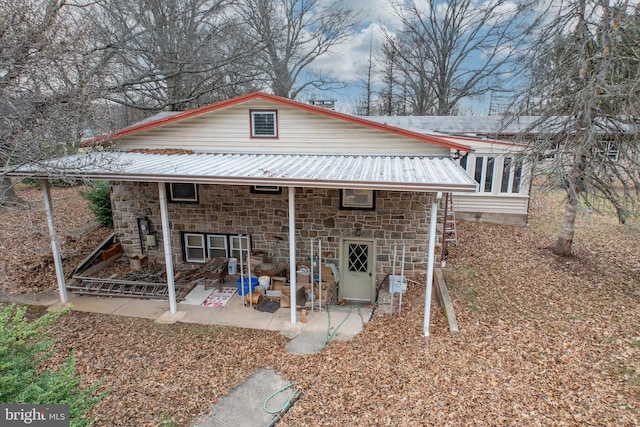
x: 264, y: 124
x: 610, y: 150
x: 194, y: 247
x: 483, y: 173
x: 198, y: 247
x: 552, y: 152
x: 240, y: 243
x: 511, y: 175
x: 217, y: 245
x: 182, y: 192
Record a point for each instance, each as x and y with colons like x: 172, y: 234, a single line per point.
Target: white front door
x: 357, y: 265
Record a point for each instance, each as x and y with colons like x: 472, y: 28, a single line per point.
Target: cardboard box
x: 285, y: 299
x: 327, y: 274
x: 253, y: 260
x: 137, y: 262
x: 277, y: 283
x: 303, y: 278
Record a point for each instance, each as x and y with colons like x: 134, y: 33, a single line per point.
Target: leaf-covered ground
x: 544, y: 341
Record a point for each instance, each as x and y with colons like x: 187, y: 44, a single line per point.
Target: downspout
x: 55, y: 247
x: 166, y: 240
x: 430, y: 261
x: 292, y: 252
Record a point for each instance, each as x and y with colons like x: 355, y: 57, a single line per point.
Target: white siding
x: 502, y: 204
x: 227, y: 130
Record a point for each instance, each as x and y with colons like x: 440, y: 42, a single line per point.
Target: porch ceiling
x: 401, y: 173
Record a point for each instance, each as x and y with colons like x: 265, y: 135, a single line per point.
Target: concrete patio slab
x: 236, y: 314
x: 91, y: 304
x: 197, y: 295
x: 199, y: 314
x: 147, y: 309
x: 169, y: 318
x: 306, y: 342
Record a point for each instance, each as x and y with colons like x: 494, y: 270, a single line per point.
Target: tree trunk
x: 565, y: 239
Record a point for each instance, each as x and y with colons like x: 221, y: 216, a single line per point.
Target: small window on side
x: 264, y: 124
x: 266, y: 189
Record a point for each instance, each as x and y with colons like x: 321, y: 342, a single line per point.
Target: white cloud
x: 348, y: 61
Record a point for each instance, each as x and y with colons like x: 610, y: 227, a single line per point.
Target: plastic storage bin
x: 248, y: 286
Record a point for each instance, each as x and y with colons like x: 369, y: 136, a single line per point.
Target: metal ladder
x: 449, y: 233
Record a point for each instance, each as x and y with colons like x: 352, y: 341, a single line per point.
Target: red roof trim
x: 278, y: 100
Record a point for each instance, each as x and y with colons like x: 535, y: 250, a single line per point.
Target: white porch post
x: 166, y: 239
x: 292, y: 252
x: 55, y: 247
x: 430, y: 261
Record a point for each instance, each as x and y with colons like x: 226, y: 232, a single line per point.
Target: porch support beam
x: 292, y: 252
x: 55, y: 247
x: 430, y: 263
x: 166, y: 240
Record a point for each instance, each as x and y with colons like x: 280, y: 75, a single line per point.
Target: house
x: 504, y: 178
x: 277, y: 177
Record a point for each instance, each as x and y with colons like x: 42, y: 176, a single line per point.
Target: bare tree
x: 414, y: 75
x: 363, y: 105
x: 49, y: 67
x: 390, y: 77
x: 585, y: 85
x: 460, y: 49
x: 175, y: 54
x: 294, y: 33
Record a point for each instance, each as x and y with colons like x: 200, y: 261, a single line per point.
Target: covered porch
x: 426, y: 174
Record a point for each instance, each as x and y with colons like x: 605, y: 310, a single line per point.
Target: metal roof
x: 469, y: 125
x: 403, y: 173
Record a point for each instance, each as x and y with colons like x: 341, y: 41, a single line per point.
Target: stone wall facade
x: 400, y: 218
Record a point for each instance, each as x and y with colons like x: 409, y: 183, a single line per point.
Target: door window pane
x: 358, y: 258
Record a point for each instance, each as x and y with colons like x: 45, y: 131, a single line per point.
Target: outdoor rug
x: 219, y: 297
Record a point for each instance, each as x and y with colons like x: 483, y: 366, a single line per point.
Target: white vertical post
x: 166, y: 239
x: 292, y: 252
x: 249, y: 274
x: 402, y: 280
x: 430, y: 262
x: 242, y: 282
x: 319, y: 274
x: 393, y: 274
x: 313, y: 299
x: 55, y: 247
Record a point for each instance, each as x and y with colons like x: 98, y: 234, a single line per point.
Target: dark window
x: 182, y: 192
x: 358, y: 199
x: 488, y: 178
x: 267, y: 189
x: 506, y: 172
